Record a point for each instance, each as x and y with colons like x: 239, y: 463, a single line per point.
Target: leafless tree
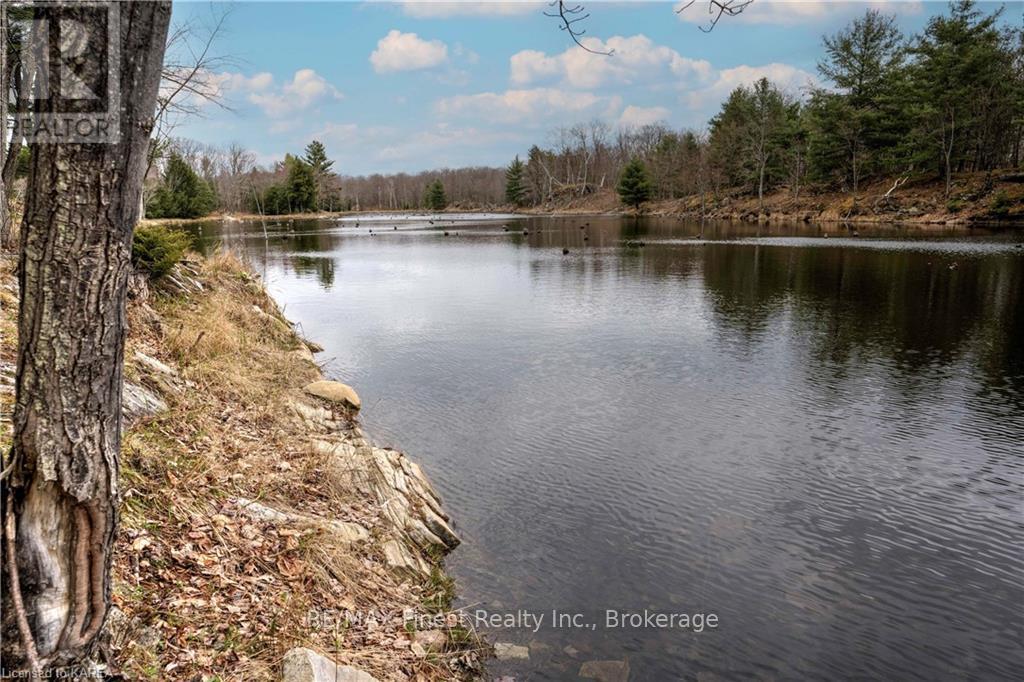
x: 188, y: 80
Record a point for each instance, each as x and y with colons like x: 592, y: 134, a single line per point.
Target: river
x: 819, y: 440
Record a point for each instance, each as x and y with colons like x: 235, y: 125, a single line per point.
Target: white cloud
x: 791, y: 12
x: 636, y: 58
x: 785, y: 76
x: 437, y: 143
x: 431, y: 9
x: 399, y: 51
x: 205, y: 87
x: 236, y: 81
x: 536, y: 106
x: 305, y: 89
x: 364, y: 149
x: 634, y: 117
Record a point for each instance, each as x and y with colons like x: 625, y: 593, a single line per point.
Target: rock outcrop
x: 344, y: 530
x: 305, y: 665
x: 148, y: 382
x: 418, y: 524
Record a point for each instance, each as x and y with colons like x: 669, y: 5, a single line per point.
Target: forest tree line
x: 891, y: 106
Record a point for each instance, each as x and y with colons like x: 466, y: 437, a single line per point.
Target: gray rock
x: 137, y: 401
x: 410, y: 505
x: 505, y: 651
x: 305, y: 665
x: 153, y: 365
x: 431, y: 640
x: 304, y: 353
x: 335, y: 392
x: 539, y: 648
x: 347, y: 532
x: 398, y: 556
x: 606, y: 671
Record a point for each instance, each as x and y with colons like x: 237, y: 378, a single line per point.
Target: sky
x: 412, y: 86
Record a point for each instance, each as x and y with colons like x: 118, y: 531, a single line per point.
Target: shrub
x: 1000, y: 206
x: 434, y: 198
x: 634, y: 186
x: 156, y: 249
x: 182, y: 193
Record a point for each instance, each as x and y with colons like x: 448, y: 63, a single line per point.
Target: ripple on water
x: 818, y: 440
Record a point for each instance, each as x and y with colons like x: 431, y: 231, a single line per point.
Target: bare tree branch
x: 718, y: 8
x: 186, y: 81
x: 571, y: 16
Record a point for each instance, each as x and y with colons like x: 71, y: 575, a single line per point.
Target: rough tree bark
x: 5, y: 226
x: 60, y: 498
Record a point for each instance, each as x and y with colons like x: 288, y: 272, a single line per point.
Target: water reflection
x: 816, y: 439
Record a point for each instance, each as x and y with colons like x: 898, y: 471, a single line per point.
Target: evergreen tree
x: 182, y: 193
x: 295, y: 194
x: 750, y: 135
x: 435, y: 198
x: 766, y: 133
x: 515, y: 188
x: 316, y: 159
x: 857, y: 123
x: 728, y: 139
x: 634, y: 187
x: 300, y: 185
x: 968, y: 93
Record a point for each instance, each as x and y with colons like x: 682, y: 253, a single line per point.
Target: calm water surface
x: 818, y: 440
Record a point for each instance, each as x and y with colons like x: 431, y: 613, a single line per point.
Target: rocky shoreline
x: 263, y: 535
x: 983, y: 200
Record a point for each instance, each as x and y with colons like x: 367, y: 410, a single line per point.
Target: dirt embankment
x: 979, y: 198
x: 256, y: 517
x: 975, y: 199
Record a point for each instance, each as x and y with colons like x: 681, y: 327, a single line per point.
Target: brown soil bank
x: 979, y: 198
x: 257, y: 517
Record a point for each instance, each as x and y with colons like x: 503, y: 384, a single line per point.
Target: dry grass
x: 921, y: 201
x: 204, y: 591
x: 210, y: 594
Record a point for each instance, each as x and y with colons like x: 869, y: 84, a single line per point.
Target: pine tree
x: 634, y: 187
x: 515, y: 189
x: 766, y: 132
x: 964, y: 82
x: 855, y: 126
x: 182, y: 193
x: 300, y: 185
x: 316, y: 159
x: 435, y: 198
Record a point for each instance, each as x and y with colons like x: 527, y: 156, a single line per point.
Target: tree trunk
x: 948, y: 153
x: 11, y: 78
x: 760, y: 186
x: 5, y: 219
x: 60, y: 502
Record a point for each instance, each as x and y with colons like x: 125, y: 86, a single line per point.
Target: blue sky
x: 412, y: 86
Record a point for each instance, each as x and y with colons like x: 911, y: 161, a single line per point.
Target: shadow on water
x: 816, y: 439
